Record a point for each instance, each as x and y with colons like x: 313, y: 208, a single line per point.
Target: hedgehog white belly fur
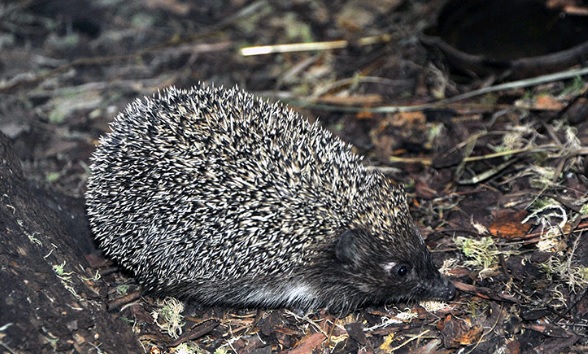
x: 223, y: 198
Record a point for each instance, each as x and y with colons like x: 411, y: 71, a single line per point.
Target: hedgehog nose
x: 450, y: 292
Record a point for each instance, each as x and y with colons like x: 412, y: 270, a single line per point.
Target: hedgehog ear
x: 347, y: 249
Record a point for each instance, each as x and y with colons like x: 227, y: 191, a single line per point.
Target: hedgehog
x: 218, y: 197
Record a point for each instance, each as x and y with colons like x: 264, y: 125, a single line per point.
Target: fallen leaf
x: 308, y: 344
x: 508, y: 224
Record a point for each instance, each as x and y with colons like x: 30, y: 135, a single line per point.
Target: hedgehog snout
x: 440, y: 288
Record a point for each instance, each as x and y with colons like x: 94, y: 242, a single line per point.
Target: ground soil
x: 497, y: 182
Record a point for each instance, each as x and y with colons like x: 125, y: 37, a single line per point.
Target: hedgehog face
x: 385, y: 273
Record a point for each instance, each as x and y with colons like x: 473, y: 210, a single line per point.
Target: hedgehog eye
x: 399, y: 270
